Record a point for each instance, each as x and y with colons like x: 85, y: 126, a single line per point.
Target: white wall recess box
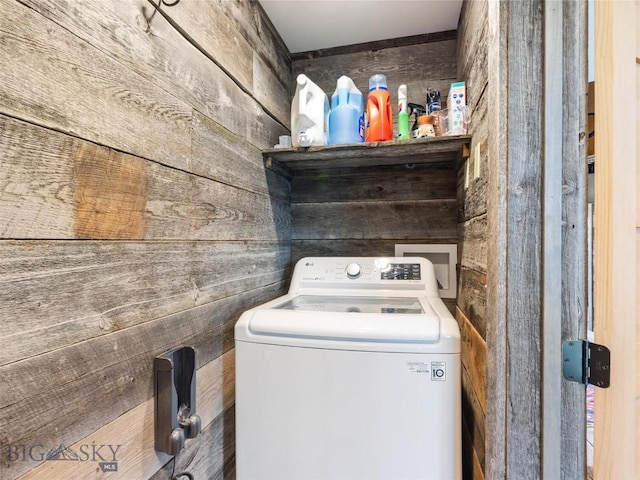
x: 444, y: 258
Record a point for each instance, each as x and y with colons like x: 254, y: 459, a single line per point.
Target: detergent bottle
x: 379, y: 121
x: 346, y: 118
x: 309, y: 114
x: 403, y: 114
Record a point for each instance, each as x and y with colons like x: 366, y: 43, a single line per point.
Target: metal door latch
x: 586, y: 363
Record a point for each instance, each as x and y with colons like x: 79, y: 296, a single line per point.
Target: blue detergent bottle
x: 346, y: 118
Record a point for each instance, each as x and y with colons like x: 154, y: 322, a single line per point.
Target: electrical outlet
x: 476, y: 160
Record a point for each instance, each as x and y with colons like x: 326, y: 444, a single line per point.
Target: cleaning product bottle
x: 403, y: 114
x: 379, y: 122
x: 346, y: 122
x: 433, y: 101
x: 309, y: 114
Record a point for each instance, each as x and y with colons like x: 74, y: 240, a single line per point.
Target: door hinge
x: 587, y: 363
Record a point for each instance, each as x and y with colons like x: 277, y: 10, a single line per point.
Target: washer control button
x: 354, y: 270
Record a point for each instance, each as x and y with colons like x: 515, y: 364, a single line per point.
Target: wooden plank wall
x: 135, y: 216
x: 359, y: 212
x: 472, y: 225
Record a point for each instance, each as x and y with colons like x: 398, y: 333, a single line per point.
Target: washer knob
x: 354, y: 270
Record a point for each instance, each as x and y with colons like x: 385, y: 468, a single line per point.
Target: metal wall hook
x: 156, y: 8
x: 175, y: 393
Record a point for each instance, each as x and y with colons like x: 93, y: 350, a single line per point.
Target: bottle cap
x: 377, y: 81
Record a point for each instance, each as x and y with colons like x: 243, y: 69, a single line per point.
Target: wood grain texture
x: 36, y: 188
x: 474, y: 358
x: 471, y: 467
x: 110, y: 203
x: 440, y: 151
x: 210, y: 29
x: 617, y: 417
x: 70, y: 393
x: 61, y: 293
x: 474, y: 381
x: 59, y: 81
x: 524, y: 237
x: 472, y: 252
x: 208, y: 26
x: 419, y: 182
x: 473, y: 65
x: 255, y: 26
x: 109, y: 193
x: 239, y: 37
x: 472, y: 52
x: 133, y: 431
x: 513, y: 422
x: 354, y: 247
x: 220, y: 155
x: 164, y: 57
x: 376, y: 45
x: 472, y: 298
x: 496, y: 431
x: 374, y: 220
x: 574, y: 229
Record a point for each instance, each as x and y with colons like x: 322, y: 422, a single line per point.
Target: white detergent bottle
x: 309, y: 114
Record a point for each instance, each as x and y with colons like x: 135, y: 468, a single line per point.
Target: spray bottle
x: 403, y: 114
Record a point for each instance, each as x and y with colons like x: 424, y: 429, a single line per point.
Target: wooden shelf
x: 423, y: 150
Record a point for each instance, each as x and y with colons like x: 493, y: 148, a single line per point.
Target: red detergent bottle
x: 379, y: 121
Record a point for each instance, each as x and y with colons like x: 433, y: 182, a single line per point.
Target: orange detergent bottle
x: 379, y: 125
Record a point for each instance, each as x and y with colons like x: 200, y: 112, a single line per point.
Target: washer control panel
x: 401, y: 271
x: 361, y: 270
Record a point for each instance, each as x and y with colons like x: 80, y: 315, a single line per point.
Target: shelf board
x: 423, y: 150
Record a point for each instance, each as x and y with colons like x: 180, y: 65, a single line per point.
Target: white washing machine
x: 354, y: 374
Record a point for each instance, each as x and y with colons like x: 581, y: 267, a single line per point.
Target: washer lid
x: 352, y: 304
x: 379, y: 319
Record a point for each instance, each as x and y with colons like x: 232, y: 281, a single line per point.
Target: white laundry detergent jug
x: 309, y: 114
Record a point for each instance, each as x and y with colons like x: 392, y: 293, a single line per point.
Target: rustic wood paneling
x: 472, y: 251
x: 472, y: 298
x: 209, y: 27
x: 133, y: 431
x: 473, y: 65
x: 374, y: 220
x: 418, y: 182
x: 113, y: 128
x: 471, y: 467
x: 111, y: 203
x: 222, y: 156
x: 514, y: 373
x: 353, y: 248
x: 254, y: 24
x: 160, y: 54
x: 574, y: 230
x: 376, y: 45
x: 472, y: 62
x: 72, y: 392
x: 110, y: 196
x: 474, y: 381
x: 60, y: 293
x: 58, y: 81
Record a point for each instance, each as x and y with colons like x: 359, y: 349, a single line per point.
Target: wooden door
x: 617, y: 236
